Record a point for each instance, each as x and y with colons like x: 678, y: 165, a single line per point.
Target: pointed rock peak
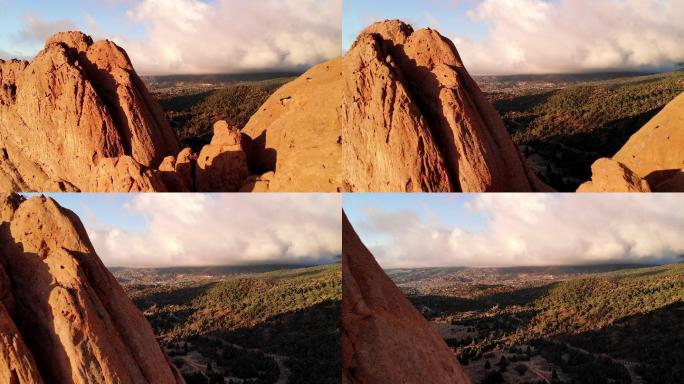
x: 72, y: 39
x: 75, y: 323
x: 415, y: 120
x: 396, y: 31
x: 384, y: 337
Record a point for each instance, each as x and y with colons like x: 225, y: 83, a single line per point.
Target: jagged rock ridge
x: 78, y: 102
x: 78, y: 118
x: 384, y: 337
x: 652, y: 159
x: 63, y: 316
x: 414, y: 119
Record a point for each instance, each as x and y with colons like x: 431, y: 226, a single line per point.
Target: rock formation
x: 222, y: 165
x: 63, y: 316
x: 78, y: 118
x: 655, y: 153
x: 414, y: 119
x: 612, y: 176
x: 297, y: 133
x: 384, y: 337
x: 76, y: 104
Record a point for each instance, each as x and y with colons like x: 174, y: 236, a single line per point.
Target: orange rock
x: 185, y: 167
x: 168, y: 175
x: 384, y: 337
x: 76, y: 103
x: 612, y: 176
x: 414, y: 119
x: 77, y: 322
x: 123, y: 174
x: 297, y: 132
x: 655, y: 153
x: 222, y: 165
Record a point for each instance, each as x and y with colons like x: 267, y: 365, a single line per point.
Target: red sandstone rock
x: 655, y: 153
x: 414, y: 119
x: 612, y: 176
x: 297, y: 133
x: 76, y: 321
x: 222, y: 165
x: 384, y: 337
x: 76, y: 103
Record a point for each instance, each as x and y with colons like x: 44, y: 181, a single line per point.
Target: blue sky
x: 161, y: 230
x: 437, y: 230
x: 18, y: 38
x: 448, y: 15
x: 185, y: 36
x: 540, y: 36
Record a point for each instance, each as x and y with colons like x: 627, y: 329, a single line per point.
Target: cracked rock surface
x: 414, y: 119
x: 63, y: 316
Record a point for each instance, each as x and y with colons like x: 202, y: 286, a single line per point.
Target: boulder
x: 384, y: 337
x: 222, y: 164
x: 185, y: 167
x: 414, y: 119
x: 73, y: 322
x: 655, y: 153
x: 612, y: 176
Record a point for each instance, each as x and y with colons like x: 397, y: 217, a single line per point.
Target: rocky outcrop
x: 655, y: 153
x: 64, y: 317
x: 297, y: 133
x: 78, y: 118
x: 222, y: 165
x: 384, y: 337
x: 414, y: 119
x: 612, y: 176
x: 76, y: 104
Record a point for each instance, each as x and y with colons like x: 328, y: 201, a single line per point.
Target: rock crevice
x: 65, y: 319
x: 415, y: 120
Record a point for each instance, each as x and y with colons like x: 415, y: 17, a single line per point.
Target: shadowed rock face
x: 77, y: 103
x: 63, y: 316
x: 655, y: 154
x: 414, y: 119
x: 384, y: 337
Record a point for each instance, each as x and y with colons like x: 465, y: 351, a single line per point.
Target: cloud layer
x: 533, y: 230
x: 193, y: 36
x: 542, y: 36
x: 203, y: 229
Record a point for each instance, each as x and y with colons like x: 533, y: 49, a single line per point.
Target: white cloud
x: 534, y: 230
x: 37, y: 29
x: 192, y: 36
x: 542, y: 36
x: 221, y: 229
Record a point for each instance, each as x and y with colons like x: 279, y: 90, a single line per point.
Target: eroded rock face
x: 655, y: 153
x: 124, y: 174
x: 612, y: 176
x: 71, y: 321
x: 297, y: 132
x: 77, y: 103
x: 414, y: 119
x: 222, y: 165
x: 384, y: 337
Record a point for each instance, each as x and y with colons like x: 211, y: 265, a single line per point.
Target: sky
x: 164, y: 230
x: 185, y: 36
x: 541, y: 36
x: 500, y: 230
